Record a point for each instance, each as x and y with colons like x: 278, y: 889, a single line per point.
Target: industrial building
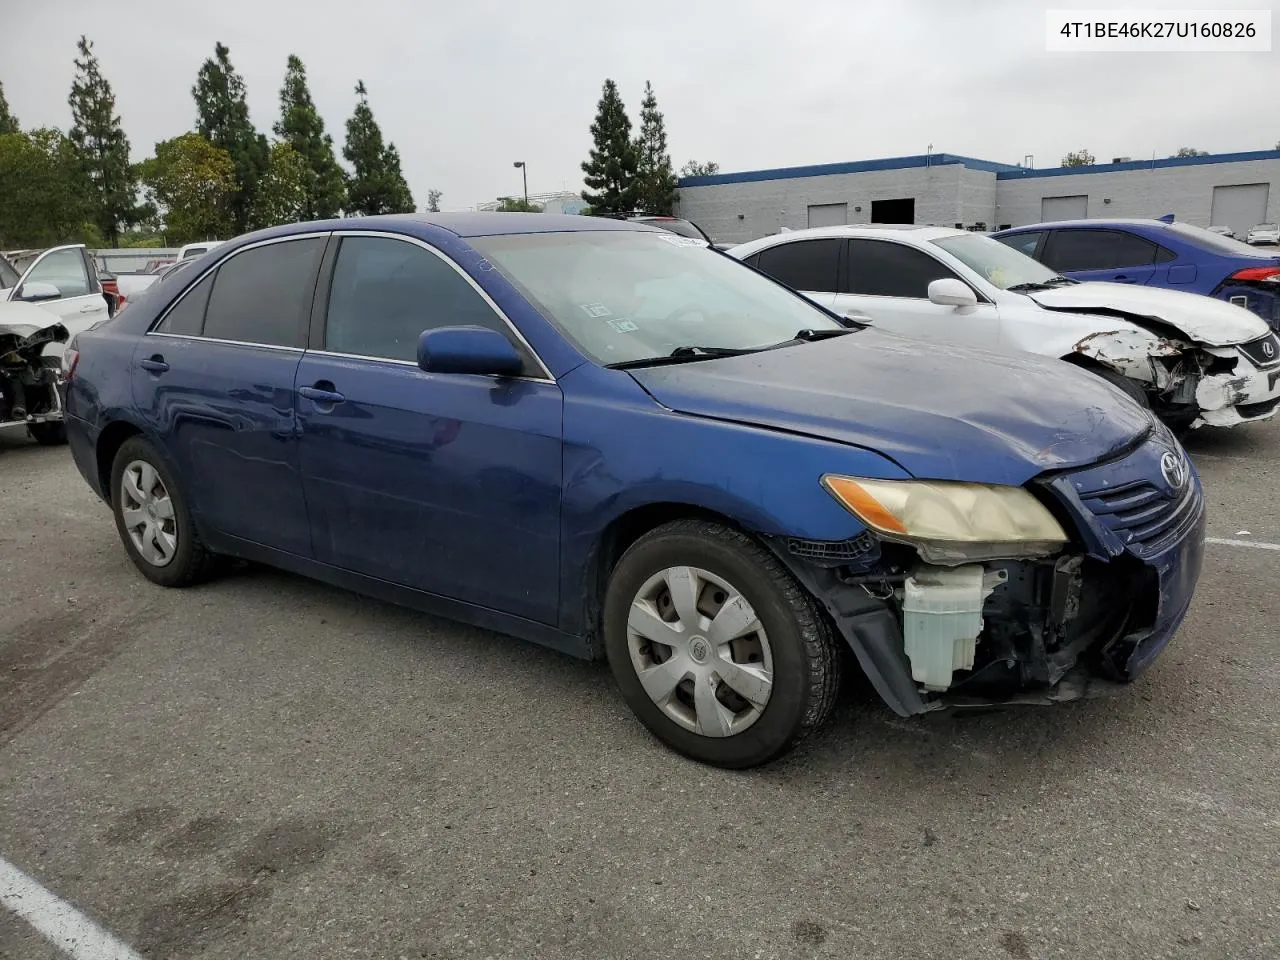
x: 1238, y: 190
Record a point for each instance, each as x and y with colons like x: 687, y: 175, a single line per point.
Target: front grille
x: 1145, y: 517
x: 1257, y: 350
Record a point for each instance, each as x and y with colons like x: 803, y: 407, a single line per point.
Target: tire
x: 188, y: 562
x: 49, y: 433
x: 1124, y: 383
x: 704, y: 716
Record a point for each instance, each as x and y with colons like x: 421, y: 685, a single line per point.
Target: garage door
x: 1063, y: 208
x: 828, y: 214
x: 1240, y: 206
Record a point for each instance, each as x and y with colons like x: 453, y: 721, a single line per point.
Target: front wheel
x: 50, y: 433
x: 716, y: 647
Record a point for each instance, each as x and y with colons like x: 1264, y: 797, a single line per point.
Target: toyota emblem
x: 1268, y: 349
x: 1174, y: 469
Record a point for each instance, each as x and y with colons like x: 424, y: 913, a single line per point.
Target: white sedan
x: 1193, y: 359
x: 1264, y: 233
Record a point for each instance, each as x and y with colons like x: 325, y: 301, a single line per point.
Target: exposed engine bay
x: 29, y: 379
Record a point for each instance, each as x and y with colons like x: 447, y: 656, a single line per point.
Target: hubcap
x: 700, y: 651
x: 147, y: 511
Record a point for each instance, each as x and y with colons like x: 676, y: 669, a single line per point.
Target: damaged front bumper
x: 1250, y: 392
x: 1025, y: 631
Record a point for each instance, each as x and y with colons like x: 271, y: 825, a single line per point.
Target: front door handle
x: 90, y: 308
x: 1121, y: 278
x: 321, y: 393
x: 154, y: 364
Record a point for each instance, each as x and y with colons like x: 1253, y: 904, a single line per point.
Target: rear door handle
x: 90, y: 308
x: 320, y: 395
x: 154, y: 364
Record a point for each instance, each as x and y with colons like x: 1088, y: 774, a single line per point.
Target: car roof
x: 1114, y: 222
x: 917, y: 232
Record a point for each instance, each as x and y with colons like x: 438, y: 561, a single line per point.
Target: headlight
x: 949, y: 521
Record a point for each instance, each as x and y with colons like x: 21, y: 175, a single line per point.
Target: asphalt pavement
x: 264, y: 767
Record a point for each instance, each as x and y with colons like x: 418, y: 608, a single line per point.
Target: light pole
x: 524, y: 172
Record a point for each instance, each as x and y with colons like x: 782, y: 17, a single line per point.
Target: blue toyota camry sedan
x: 618, y: 442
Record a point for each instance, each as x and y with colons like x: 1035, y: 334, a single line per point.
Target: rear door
x: 214, y: 380
x: 1118, y: 256
x: 810, y: 266
x: 79, y: 303
x: 887, y: 283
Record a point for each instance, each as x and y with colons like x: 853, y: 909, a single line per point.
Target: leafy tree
x: 222, y: 118
x: 518, y: 205
x: 43, y: 194
x: 610, y: 169
x: 282, y: 191
x: 102, y: 147
x: 656, y: 182
x: 377, y: 185
x: 695, y: 169
x: 1191, y: 152
x: 433, y: 200
x: 194, y: 184
x: 1078, y: 158
x: 8, y: 122
x: 301, y: 127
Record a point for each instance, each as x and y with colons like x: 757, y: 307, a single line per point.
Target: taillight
x: 70, y: 357
x: 1258, y: 273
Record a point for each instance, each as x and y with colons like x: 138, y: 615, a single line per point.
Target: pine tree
x: 102, y: 147
x: 377, y: 185
x: 656, y: 182
x: 282, y: 191
x: 300, y: 126
x: 222, y: 118
x: 610, y: 169
x: 8, y: 122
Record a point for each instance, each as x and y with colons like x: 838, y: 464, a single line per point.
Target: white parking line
x: 1252, y: 544
x: 57, y: 921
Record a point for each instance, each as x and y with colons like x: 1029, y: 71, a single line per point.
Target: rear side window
x: 386, y: 292
x: 186, y: 318
x: 1069, y: 250
x: 1023, y: 242
x: 881, y: 268
x: 263, y: 295
x: 810, y: 265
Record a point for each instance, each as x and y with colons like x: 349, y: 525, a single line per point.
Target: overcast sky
x: 464, y: 89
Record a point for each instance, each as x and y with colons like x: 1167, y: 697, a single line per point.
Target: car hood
x: 1202, y: 319
x: 943, y: 413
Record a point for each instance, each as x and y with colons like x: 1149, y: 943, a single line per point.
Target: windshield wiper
x: 684, y: 354
x: 808, y: 336
x: 1041, y: 284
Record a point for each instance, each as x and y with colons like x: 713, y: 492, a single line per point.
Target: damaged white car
x: 1192, y: 359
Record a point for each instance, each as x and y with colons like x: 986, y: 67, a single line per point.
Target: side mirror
x: 468, y: 350
x: 950, y: 292
x: 36, y: 292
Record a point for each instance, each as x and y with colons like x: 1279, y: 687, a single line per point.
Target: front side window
x: 627, y: 296
x: 263, y: 295
x: 1024, y: 243
x: 64, y: 269
x: 1070, y: 250
x: 386, y: 292
x: 809, y: 265
x: 881, y: 268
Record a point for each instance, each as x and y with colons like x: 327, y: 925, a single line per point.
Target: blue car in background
x: 1159, y: 254
x: 620, y: 443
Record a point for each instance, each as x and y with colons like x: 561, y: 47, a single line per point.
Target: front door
x: 888, y: 283
x: 64, y: 282
x: 447, y: 483
x: 215, y: 381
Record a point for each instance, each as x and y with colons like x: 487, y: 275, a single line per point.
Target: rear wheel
x: 153, y: 519
x: 716, y: 648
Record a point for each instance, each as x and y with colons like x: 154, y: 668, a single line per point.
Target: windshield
x: 681, y: 228
x: 9, y: 277
x: 999, y: 264
x: 623, y: 296
x: 1216, y: 241
x: 1265, y: 226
